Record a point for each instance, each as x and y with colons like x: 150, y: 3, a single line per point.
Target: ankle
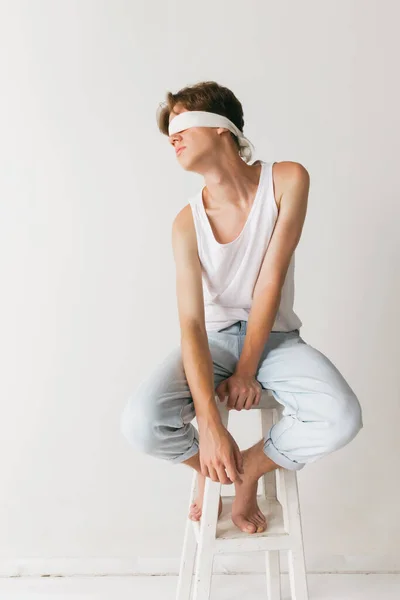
x: 252, y: 463
x: 257, y: 462
x: 194, y: 463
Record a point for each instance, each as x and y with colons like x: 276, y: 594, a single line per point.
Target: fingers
x: 213, y: 473
x: 242, y: 401
x: 222, y: 476
x: 216, y: 473
x: 221, y: 391
x: 250, y: 401
x: 257, y: 399
x: 232, y: 471
x: 231, y: 401
x: 204, y: 469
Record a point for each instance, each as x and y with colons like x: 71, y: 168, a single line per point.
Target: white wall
x: 89, y: 189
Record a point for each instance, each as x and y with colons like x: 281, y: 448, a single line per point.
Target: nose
x: 174, y: 138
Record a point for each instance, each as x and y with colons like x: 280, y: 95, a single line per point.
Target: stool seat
x: 278, y: 499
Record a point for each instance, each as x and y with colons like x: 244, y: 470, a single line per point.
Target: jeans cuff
x: 279, y: 458
x: 194, y: 448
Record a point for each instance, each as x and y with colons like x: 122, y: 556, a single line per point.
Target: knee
x: 137, y: 424
x: 346, y: 420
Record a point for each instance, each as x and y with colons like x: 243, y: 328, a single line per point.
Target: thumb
x: 221, y: 391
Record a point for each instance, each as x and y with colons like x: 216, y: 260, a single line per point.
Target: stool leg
x: 269, y: 491
x: 188, y: 553
x: 268, y: 480
x: 187, y: 563
x: 273, y: 575
x: 297, y: 575
x: 296, y: 560
x: 205, y: 550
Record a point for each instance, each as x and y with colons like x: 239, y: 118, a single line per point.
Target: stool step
x: 226, y: 529
x: 271, y: 509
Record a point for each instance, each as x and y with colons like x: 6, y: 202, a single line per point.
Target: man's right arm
x: 220, y: 457
x: 196, y: 355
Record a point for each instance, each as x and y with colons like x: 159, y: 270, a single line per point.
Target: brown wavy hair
x: 205, y: 95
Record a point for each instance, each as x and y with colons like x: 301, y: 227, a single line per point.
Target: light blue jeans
x: 320, y: 414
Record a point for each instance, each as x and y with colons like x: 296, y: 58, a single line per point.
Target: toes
x: 259, y: 524
x: 245, y: 525
x: 194, y: 516
x: 194, y: 512
x: 260, y: 519
x: 256, y: 523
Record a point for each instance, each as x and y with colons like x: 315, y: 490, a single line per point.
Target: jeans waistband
x: 240, y: 328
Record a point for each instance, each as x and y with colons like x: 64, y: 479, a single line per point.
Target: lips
x: 179, y: 150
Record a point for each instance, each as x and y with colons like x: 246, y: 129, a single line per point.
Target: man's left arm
x: 285, y: 237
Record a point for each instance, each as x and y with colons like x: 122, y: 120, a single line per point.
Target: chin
x: 184, y: 162
x: 189, y: 162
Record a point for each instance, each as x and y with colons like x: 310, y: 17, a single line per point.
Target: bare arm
x: 219, y: 454
x: 294, y: 181
x: 196, y: 353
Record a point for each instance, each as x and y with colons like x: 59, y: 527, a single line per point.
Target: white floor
x: 225, y: 587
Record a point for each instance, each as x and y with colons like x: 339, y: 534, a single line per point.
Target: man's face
x: 196, y: 142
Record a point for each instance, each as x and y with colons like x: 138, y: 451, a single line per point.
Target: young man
x: 233, y: 246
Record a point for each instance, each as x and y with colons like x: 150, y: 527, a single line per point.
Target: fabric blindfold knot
x: 202, y: 118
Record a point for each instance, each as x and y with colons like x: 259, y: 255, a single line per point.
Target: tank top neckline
x: 259, y: 190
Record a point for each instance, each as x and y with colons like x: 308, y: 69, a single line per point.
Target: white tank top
x: 229, y: 271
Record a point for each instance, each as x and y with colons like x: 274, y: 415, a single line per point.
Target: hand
x: 243, y: 391
x: 218, y: 451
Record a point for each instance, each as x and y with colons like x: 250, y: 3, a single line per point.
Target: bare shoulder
x: 287, y: 170
x: 288, y: 175
x: 184, y: 217
x: 189, y: 287
x: 183, y: 230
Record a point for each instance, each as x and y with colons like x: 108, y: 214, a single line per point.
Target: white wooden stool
x: 278, y: 499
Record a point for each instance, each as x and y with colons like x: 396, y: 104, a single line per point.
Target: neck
x: 227, y: 185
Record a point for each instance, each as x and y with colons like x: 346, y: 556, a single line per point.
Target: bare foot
x: 246, y: 514
x: 196, y: 507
